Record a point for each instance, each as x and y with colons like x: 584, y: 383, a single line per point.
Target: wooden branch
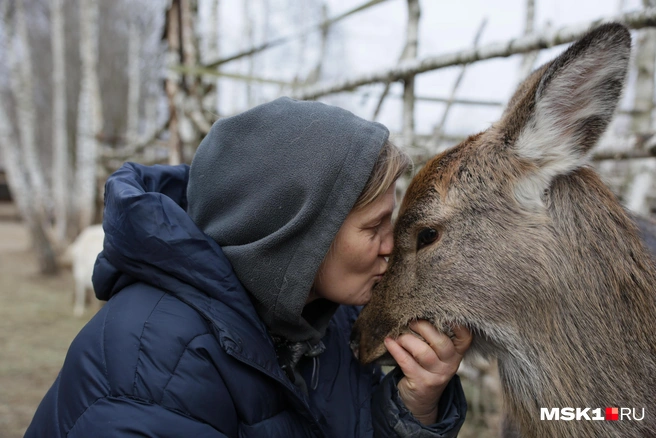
x: 199, y: 71
x: 249, y: 37
x: 172, y: 84
x: 134, y: 148
x: 628, y: 155
x: 412, y: 42
x: 187, y: 43
x: 281, y: 40
x: 634, y: 147
x: 528, y: 60
x: 315, y: 74
x: 474, y: 102
x: 193, y: 110
x: 439, y: 128
x: 645, y: 59
x: 634, y: 20
x: 404, y: 57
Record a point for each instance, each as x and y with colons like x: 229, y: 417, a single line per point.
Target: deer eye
x: 426, y: 237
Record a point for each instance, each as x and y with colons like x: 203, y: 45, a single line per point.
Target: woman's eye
x: 426, y: 237
x: 376, y: 227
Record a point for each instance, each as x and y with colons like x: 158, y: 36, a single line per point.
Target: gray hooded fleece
x: 272, y: 186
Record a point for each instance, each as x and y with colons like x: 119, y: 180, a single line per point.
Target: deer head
x: 511, y: 234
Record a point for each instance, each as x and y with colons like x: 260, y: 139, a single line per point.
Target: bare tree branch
x: 222, y: 74
x: 281, y: 40
x: 633, y: 20
x: 409, y: 43
x: 412, y: 42
x: 133, y: 149
x: 439, y: 128
x: 315, y: 74
x: 528, y: 60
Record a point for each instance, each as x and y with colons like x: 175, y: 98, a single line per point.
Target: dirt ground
x: 36, y: 327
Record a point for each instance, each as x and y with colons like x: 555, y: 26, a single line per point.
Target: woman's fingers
x: 403, y: 358
x: 420, y: 350
x: 428, y: 359
x: 438, y: 341
x: 428, y: 349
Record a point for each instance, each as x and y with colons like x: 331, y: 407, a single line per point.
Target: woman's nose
x: 386, y: 244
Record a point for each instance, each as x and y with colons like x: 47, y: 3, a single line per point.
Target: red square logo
x: 612, y: 414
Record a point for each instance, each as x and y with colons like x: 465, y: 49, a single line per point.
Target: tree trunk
x: 412, y: 42
x: 212, y: 51
x: 60, y: 171
x: 248, y: 41
x: 172, y: 81
x: 134, y: 81
x: 9, y: 147
x: 23, y: 88
x: 89, y: 121
x: 26, y: 174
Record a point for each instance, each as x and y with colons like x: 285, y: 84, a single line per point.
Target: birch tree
x: 22, y: 79
x: 173, y: 79
x: 134, y: 80
x: 248, y: 41
x: 13, y: 164
x: 209, y: 43
x: 29, y: 172
x: 90, y: 119
x: 60, y: 169
x: 412, y: 43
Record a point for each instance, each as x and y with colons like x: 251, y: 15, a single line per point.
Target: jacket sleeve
x: 392, y: 419
x: 123, y: 417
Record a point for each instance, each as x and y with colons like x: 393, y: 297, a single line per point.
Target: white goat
x: 83, y: 253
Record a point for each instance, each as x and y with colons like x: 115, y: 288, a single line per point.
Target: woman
x: 231, y: 287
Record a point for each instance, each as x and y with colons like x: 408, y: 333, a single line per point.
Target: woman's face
x: 358, y: 257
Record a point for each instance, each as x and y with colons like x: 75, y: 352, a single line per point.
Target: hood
x: 149, y: 237
x: 272, y: 186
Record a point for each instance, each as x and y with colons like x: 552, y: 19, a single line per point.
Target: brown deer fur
x: 534, y: 254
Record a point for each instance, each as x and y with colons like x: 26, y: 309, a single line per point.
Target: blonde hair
x: 391, y: 164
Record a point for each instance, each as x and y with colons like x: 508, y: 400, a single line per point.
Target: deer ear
x: 562, y: 110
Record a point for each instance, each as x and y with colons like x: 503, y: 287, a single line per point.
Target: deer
x: 513, y: 235
x: 81, y: 257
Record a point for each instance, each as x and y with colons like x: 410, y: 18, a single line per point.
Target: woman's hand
x: 428, y: 365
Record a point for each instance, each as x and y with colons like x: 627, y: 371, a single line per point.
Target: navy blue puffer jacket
x: 179, y: 351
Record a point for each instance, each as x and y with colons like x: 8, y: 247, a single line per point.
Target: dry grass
x: 36, y: 328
